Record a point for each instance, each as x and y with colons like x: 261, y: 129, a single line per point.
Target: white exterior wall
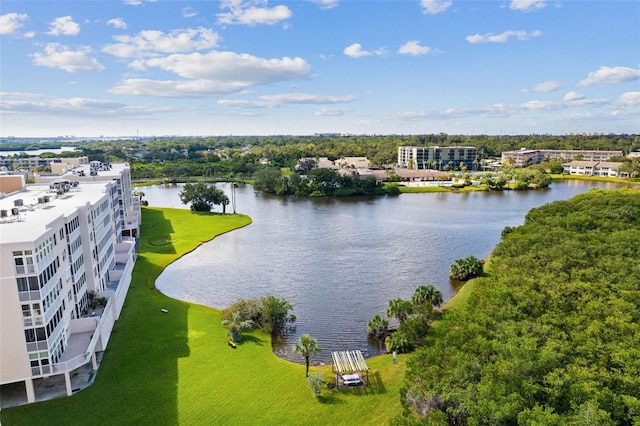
x: 420, y: 154
x: 526, y: 157
x: 49, y: 297
x: 14, y: 363
x: 80, y: 218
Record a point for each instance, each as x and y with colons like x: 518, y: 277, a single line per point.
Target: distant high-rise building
x: 436, y: 157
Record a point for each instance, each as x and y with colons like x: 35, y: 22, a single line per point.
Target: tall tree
x: 306, y: 347
x: 400, y: 309
x: 378, y: 326
x: 268, y: 179
x: 426, y: 296
x: 203, y: 196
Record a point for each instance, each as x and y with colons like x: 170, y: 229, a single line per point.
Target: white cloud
x: 63, y: 25
x: 56, y: 55
x: 152, y: 42
x: 503, y: 37
x: 133, y: 2
x: 231, y: 66
x: 527, y: 5
x: 252, y: 12
x: 73, y: 108
x: 176, y: 88
x: 610, y: 75
x: 629, y: 99
x: 629, y: 105
x: 573, y: 96
x: 547, y: 86
x: 331, y: 112
x: 246, y: 104
x: 117, y: 23
x: 433, y: 7
x: 355, y: 51
x: 414, y: 48
x: 504, y: 110
x: 543, y: 105
x: 275, y: 101
x: 305, y: 98
x: 188, y: 12
x: 326, y: 4
x: 61, y: 106
x: 12, y: 22
x: 212, y: 74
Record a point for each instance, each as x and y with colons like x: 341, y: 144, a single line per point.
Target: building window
x: 28, y: 284
x: 31, y: 310
x: 35, y: 335
x: 23, y: 261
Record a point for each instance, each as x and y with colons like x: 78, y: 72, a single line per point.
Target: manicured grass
x: 176, y: 367
x: 421, y: 189
x: 595, y: 178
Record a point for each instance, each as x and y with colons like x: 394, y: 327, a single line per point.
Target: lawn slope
x: 176, y: 368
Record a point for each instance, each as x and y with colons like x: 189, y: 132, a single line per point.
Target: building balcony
x: 86, y: 336
x: 124, y: 256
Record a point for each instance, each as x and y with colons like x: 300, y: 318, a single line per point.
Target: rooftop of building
x: 95, y: 170
x: 438, y: 147
x: 27, y: 213
x: 572, y: 151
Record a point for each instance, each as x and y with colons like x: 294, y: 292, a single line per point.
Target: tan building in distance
x: 526, y: 157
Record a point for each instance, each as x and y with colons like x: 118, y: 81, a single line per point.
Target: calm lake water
x: 340, y: 260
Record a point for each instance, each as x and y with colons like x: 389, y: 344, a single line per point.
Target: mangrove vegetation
x: 551, y: 334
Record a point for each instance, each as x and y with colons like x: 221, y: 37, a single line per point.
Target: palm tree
x: 378, y: 326
x: 427, y: 295
x: 237, y: 325
x: 401, y: 309
x: 466, y: 268
x: 306, y: 347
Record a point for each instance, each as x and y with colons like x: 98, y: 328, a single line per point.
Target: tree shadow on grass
x: 247, y: 338
x: 331, y: 397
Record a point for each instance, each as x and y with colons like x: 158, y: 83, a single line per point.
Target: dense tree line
x: 176, y: 157
x: 552, y: 334
x: 318, y: 183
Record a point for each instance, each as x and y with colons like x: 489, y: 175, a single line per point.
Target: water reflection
x: 340, y: 260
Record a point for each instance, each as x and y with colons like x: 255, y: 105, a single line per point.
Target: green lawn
x: 176, y: 367
x: 595, y: 178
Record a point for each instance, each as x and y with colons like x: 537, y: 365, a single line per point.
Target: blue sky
x: 257, y: 67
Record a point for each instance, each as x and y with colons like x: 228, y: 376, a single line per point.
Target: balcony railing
x: 79, y: 360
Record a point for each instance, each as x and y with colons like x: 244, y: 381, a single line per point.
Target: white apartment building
x: 526, y: 157
x: 436, y: 157
x: 61, y: 248
x: 128, y: 215
x: 592, y: 168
